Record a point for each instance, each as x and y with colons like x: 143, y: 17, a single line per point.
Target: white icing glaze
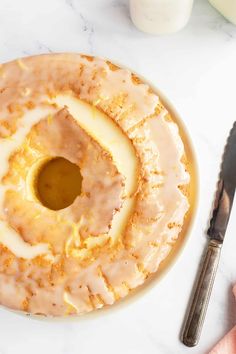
x: 170, y: 154
x: 112, y: 139
x: 105, y: 131
x: 9, y: 237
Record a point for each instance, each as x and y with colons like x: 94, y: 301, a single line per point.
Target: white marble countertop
x: 196, y: 69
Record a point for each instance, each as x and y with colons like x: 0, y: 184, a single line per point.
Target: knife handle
x: 201, y: 297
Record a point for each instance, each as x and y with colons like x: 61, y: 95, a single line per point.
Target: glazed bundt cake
x: 93, y: 183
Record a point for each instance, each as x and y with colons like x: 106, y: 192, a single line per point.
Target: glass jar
x: 160, y: 16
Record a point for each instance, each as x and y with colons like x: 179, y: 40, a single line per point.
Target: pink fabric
x: 227, y: 345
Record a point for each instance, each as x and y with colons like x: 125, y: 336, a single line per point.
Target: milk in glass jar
x: 160, y: 16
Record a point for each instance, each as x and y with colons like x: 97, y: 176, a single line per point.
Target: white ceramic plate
x: 177, y: 249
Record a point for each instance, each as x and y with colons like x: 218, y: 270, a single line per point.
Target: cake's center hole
x: 58, y: 183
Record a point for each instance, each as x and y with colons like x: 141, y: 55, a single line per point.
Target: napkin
x: 227, y: 345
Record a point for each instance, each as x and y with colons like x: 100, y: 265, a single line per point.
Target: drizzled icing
x: 8, y: 236
x: 56, y: 261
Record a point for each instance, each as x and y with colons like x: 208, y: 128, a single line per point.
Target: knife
x: 216, y: 233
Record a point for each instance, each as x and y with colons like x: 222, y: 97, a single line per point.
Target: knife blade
x: 216, y: 233
x: 225, y: 191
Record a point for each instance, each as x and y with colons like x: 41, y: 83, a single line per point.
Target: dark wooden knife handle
x: 201, y: 297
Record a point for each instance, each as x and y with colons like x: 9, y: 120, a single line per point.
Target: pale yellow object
x: 227, y: 8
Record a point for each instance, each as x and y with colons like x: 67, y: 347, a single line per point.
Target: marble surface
x: 196, y: 69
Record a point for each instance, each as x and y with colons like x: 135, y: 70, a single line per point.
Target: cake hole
x: 58, y: 183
